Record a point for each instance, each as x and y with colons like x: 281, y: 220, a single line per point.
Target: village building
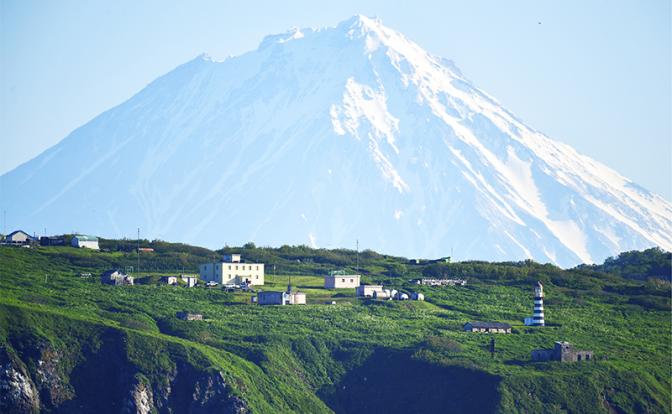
x: 441, y: 282
x: 191, y: 281
x: 488, y: 327
x: 19, y: 237
x: 289, y: 297
x: 169, y: 280
x: 562, y: 351
x: 231, y: 270
x: 116, y: 277
x: 417, y: 296
x: 85, y: 241
x: 368, y: 291
x: 187, y: 316
x: 52, y: 241
x: 340, y: 280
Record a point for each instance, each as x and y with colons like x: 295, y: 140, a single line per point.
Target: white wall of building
x: 233, y: 272
x: 341, y: 281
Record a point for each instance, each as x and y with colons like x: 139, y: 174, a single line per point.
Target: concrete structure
x: 191, y: 281
x: 19, y: 237
x: 169, y: 280
x: 232, y: 271
x: 84, y: 241
x: 441, y: 282
x: 538, y: 316
x: 487, y: 327
x: 298, y: 298
x: 562, y: 351
x: 289, y: 297
x: 232, y: 258
x: 116, y: 277
x: 340, y: 280
x: 186, y: 316
x: 382, y: 294
x: 52, y: 241
x: 367, y: 291
x: 271, y: 298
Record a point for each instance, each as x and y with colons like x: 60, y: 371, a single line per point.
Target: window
x: 350, y: 280
x: 257, y: 268
x: 256, y: 277
x: 229, y: 267
x: 578, y: 357
x: 587, y: 357
x: 343, y: 280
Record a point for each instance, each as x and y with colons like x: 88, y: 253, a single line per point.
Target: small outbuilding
x: 367, y: 291
x: 85, y: 241
x: 52, y: 241
x: 340, y: 280
x: 488, y: 327
x: 563, y: 352
x: 188, y: 316
x: 191, y: 281
x: 290, y: 297
x: 169, y: 280
x: 116, y: 277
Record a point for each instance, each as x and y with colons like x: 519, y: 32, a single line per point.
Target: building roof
x: 341, y: 273
x: 85, y: 237
x: 491, y: 325
x: 19, y: 231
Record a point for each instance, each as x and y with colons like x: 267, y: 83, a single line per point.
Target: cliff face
x: 100, y: 377
x: 17, y: 391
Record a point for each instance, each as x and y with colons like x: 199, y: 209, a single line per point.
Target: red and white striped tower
x: 538, y: 316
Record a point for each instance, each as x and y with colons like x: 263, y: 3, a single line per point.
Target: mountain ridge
x: 324, y: 136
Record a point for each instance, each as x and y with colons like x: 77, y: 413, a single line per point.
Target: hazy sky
x: 594, y: 74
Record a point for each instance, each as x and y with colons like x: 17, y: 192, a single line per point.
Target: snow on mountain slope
x: 326, y: 136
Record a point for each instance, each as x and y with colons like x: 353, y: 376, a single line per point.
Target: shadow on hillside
x: 392, y: 382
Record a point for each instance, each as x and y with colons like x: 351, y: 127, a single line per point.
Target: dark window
x: 578, y: 357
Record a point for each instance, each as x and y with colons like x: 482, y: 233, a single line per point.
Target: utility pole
x: 357, y: 268
x: 138, y: 249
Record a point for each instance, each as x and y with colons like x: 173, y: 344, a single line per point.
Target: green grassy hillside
x: 355, y: 356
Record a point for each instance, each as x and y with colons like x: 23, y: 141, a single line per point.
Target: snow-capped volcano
x: 325, y: 136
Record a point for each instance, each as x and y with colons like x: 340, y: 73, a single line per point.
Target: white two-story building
x: 231, y: 270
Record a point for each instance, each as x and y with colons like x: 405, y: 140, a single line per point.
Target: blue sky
x: 594, y: 74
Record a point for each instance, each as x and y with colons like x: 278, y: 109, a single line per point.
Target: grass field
x: 302, y: 358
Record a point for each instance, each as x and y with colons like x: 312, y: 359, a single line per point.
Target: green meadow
x: 357, y: 355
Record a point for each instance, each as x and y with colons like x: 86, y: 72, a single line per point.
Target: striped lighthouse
x: 538, y: 317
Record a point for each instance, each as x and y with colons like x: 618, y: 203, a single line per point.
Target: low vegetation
x: 357, y: 354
